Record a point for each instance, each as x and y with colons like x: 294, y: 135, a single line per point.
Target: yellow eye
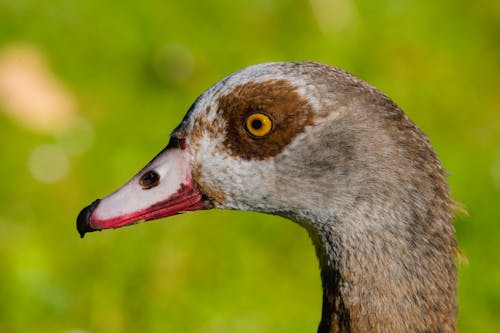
x: 258, y: 125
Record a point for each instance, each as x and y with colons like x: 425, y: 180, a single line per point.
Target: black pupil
x: 256, y: 124
x: 149, y: 179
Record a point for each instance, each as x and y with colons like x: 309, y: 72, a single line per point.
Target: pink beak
x: 163, y: 188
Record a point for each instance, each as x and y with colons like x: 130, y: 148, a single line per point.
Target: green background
x: 135, y: 67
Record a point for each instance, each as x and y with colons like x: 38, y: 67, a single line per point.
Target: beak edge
x: 83, y: 221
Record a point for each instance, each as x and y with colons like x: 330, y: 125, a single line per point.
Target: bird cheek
x: 208, y: 186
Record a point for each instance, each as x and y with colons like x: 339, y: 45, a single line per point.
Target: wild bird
x: 316, y: 145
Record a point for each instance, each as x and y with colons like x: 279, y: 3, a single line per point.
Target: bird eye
x: 258, y: 125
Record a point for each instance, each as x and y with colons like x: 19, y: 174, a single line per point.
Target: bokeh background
x: 90, y: 90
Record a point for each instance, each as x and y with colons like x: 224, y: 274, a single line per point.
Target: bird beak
x: 163, y: 188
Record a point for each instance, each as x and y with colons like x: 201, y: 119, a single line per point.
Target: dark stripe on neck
x: 335, y: 316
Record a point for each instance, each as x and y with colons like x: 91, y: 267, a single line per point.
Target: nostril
x: 149, y: 179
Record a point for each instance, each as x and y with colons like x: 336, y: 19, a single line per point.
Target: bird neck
x: 386, y: 279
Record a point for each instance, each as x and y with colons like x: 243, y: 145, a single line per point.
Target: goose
x: 316, y: 145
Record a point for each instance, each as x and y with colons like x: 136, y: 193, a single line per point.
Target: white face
x: 221, y: 168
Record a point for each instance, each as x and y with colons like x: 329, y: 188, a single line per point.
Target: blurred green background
x: 90, y: 90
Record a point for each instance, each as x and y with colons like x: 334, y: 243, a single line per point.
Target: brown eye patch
x: 279, y: 99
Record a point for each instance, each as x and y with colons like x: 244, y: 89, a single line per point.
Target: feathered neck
x: 389, y: 277
x: 374, y: 199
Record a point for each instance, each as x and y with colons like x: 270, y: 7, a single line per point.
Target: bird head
x: 293, y: 139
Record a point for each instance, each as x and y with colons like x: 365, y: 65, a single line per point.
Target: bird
x: 317, y: 145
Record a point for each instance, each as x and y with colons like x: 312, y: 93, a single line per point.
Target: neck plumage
x: 371, y: 192
x: 387, y: 279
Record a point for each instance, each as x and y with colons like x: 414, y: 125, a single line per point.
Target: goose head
x: 315, y: 144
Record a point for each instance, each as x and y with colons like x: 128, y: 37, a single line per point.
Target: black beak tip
x: 83, y: 221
